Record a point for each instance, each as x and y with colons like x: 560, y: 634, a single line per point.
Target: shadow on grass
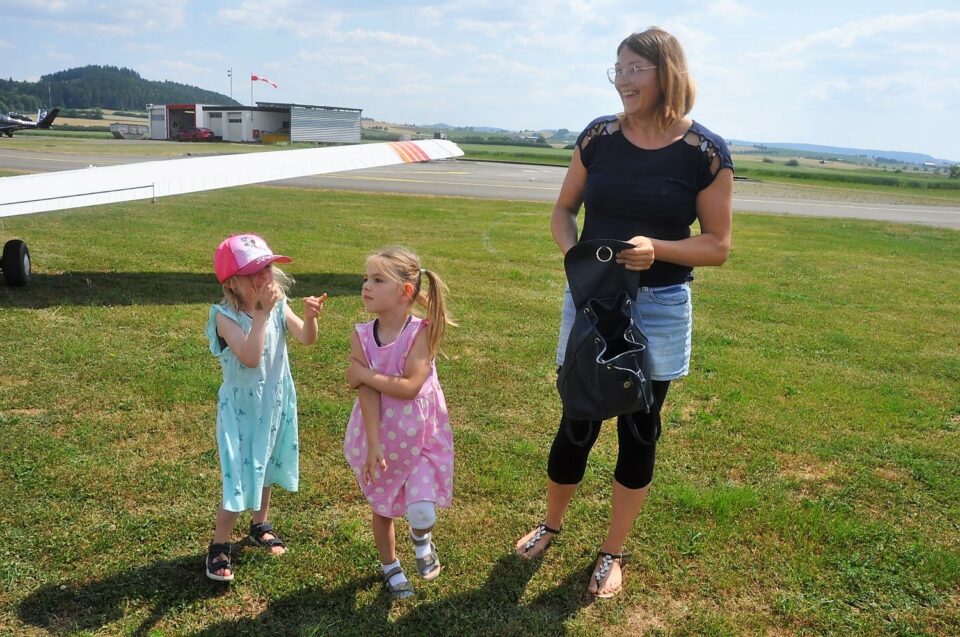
x: 493, y: 609
x: 65, y: 609
x: 151, y: 288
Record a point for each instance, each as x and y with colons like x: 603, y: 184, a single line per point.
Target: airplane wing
x: 25, y: 194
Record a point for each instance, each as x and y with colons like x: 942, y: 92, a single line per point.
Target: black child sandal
x: 216, y: 563
x: 257, y: 531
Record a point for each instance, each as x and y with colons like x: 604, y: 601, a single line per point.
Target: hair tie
x: 423, y: 271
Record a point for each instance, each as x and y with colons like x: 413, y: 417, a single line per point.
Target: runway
x: 494, y: 180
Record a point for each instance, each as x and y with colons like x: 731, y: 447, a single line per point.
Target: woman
x: 644, y: 176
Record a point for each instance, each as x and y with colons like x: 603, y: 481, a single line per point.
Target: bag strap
x: 593, y: 272
x: 632, y: 427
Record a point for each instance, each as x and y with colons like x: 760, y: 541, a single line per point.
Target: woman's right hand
x: 640, y: 256
x: 374, y: 464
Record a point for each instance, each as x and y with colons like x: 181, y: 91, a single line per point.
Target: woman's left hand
x: 639, y: 257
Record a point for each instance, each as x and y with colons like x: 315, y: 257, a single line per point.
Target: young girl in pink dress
x: 398, y: 441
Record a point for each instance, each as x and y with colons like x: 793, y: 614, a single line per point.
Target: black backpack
x: 605, y: 368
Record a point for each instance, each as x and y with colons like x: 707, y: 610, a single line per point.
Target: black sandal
x: 541, y: 530
x: 214, y: 564
x: 257, y: 531
x: 602, y: 571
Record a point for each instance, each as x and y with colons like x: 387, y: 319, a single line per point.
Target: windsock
x: 260, y: 78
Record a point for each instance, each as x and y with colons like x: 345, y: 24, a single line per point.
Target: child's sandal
x: 428, y: 567
x: 402, y: 590
x: 602, y: 571
x: 257, y: 531
x: 215, y: 563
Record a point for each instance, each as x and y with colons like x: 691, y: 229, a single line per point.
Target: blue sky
x: 867, y: 74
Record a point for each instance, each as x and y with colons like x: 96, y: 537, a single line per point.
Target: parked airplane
x: 15, y: 121
x: 26, y: 194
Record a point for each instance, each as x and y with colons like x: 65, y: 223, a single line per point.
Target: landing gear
x: 16, y: 263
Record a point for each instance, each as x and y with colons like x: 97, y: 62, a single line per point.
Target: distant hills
x: 95, y: 86
x: 825, y: 152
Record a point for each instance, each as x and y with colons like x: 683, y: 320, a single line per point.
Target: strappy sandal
x: 602, y: 571
x: 541, y: 530
x: 257, y: 531
x: 402, y: 590
x: 215, y: 563
x: 428, y: 567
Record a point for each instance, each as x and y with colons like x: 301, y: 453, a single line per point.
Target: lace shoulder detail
x: 707, y: 147
x: 599, y: 127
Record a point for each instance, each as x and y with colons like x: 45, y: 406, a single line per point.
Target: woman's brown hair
x: 664, y: 50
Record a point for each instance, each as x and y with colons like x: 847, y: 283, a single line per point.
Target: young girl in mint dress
x: 398, y: 441
x: 257, y: 403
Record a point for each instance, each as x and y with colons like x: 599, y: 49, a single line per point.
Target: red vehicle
x: 195, y: 134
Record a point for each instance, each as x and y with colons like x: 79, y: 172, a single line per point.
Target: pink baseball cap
x: 243, y: 254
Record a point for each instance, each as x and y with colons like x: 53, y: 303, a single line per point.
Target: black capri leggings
x: 568, y: 462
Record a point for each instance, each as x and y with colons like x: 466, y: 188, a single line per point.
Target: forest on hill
x: 96, y: 86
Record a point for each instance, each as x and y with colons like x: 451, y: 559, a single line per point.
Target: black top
x: 632, y: 191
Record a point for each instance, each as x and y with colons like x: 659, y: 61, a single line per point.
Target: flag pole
x: 251, y: 88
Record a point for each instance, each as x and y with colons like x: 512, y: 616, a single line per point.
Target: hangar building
x: 265, y: 122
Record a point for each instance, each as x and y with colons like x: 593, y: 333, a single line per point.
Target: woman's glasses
x: 630, y: 72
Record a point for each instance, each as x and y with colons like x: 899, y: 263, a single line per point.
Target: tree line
x: 95, y: 86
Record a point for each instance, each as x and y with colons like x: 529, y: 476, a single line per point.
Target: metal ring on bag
x: 608, y: 249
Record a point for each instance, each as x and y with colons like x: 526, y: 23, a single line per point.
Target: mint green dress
x: 256, y: 414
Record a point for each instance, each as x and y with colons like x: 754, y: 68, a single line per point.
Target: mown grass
x: 807, y: 479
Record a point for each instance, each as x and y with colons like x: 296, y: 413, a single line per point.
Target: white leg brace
x: 421, y: 515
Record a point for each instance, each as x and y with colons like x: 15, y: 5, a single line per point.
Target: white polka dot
x: 414, y: 490
x: 397, y: 472
x: 394, y: 456
x: 403, y: 445
x: 411, y: 432
x: 389, y: 412
x: 383, y: 447
x: 415, y: 451
x: 446, y: 426
x: 378, y: 490
x: 421, y: 417
x: 406, y: 463
x: 443, y: 468
x: 389, y: 480
x: 407, y: 409
x: 426, y: 479
x: 355, y: 451
x: 392, y: 435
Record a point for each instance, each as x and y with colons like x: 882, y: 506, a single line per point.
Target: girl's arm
x: 407, y: 385
x: 563, y: 221
x: 248, y: 347
x: 305, y: 330
x: 369, y: 400
x: 710, y: 247
x: 370, y: 410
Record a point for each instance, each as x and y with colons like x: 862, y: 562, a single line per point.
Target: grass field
x: 808, y: 479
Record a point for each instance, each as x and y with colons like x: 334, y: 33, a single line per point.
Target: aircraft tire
x: 16, y: 263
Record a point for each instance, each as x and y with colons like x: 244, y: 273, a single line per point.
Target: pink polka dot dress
x: 415, y: 434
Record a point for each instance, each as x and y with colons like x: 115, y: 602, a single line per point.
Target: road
x: 492, y: 180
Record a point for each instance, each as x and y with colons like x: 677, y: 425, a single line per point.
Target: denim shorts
x: 665, y: 316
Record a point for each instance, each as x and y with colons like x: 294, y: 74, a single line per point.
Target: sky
x: 868, y: 74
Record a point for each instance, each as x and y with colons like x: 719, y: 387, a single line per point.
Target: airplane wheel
x: 16, y: 263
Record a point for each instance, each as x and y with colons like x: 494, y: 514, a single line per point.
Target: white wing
x: 26, y: 194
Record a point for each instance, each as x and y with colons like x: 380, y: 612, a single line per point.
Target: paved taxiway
x: 494, y: 180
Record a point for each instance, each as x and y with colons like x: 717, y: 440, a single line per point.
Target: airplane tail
x: 45, y: 119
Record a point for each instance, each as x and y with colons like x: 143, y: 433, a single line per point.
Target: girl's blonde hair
x: 664, y: 50
x: 232, y: 299
x: 403, y: 266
